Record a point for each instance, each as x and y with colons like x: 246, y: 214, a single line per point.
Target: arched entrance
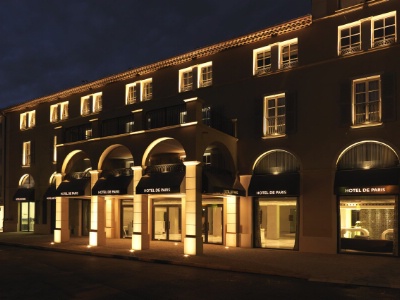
x: 25, y: 195
x: 275, y: 186
x: 367, y: 188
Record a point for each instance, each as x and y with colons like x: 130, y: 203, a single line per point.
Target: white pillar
x: 246, y: 215
x: 61, y: 230
x: 140, y: 235
x: 193, y: 241
x: 110, y: 224
x: 97, y: 234
x: 231, y: 224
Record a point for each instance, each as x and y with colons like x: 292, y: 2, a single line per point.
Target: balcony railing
x: 165, y: 168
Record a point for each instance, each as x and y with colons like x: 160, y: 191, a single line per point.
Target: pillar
x: 140, y: 235
x: 231, y: 223
x: 110, y: 230
x: 61, y: 230
x: 193, y: 241
x: 97, y: 235
x: 273, y: 228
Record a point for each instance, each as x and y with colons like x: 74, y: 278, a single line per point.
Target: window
x: 59, y: 112
x: 383, y: 30
x: 26, y: 154
x: 55, y: 148
x: 27, y: 120
x: 205, y: 77
x: 91, y: 104
x: 262, y: 60
x: 200, y: 75
x: 129, y: 126
x: 274, y: 115
x: 288, y: 54
x: 147, y: 89
x: 349, y: 38
x: 186, y: 80
x: 139, y: 91
x: 366, y: 105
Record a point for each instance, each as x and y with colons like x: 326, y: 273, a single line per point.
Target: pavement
x: 351, y: 269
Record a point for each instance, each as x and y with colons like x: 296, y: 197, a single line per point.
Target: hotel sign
x: 272, y: 192
x: 158, y: 190
x: 369, y: 190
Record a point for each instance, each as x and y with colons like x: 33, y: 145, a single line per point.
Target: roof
x: 275, y: 30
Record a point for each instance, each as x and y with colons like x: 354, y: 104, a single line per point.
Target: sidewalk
x: 377, y: 271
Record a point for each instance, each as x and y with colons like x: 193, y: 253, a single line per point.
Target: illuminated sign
x: 157, y: 190
x: 109, y: 192
x: 384, y: 189
x: 272, y: 192
x: 21, y: 199
x: 69, y: 194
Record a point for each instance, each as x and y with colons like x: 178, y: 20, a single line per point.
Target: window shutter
x: 388, y: 93
x: 291, y: 112
x: 345, y: 104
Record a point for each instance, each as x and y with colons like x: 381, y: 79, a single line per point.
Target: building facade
x: 285, y: 138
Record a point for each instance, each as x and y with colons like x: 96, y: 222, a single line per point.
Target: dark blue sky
x: 51, y: 45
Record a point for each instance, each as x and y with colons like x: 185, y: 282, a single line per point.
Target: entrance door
x: 126, y: 218
x: 212, y: 223
x: 167, y: 223
x: 27, y: 216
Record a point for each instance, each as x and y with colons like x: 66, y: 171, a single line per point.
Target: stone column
x: 140, y: 235
x: 193, y: 241
x: 61, y: 230
x: 231, y: 223
x: 97, y: 235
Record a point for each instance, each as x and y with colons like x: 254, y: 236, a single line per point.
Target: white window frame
x: 97, y: 102
x: 54, y: 113
x: 350, y: 48
x: 55, y: 149
x: 291, y: 62
x: 26, y: 154
x: 182, y: 86
x: 64, y: 110
x: 86, y: 105
x: 385, y: 40
x: 201, y: 81
x: 139, y: 91
x: 27, y: 120
x: 131, y: 97
x: 367, y: 121
x: 274, y: 126
x: 264, y: 69
x: 146, y: 89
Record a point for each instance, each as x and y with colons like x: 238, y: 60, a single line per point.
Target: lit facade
x: 285, y: 138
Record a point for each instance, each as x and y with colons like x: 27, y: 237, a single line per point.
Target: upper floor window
x: 200, y: 75
x: 366, y: 104
x: 383, y: 29
x: 186, y: 80
x: 205, y: 75
x: 262, y: 60
x: 274, y: 115
x: 349, y: 38
x: 26, y: 154
x: 288, y: 54
x: 139, y: 91
x: 91, y: 104
x: 27, y: 120
x: 59, y: 112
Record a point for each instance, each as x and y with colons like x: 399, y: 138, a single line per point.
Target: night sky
x: 52, y: 45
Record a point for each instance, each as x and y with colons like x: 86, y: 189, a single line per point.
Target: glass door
x: 167, y: 223
x: 27, y: 216
x: 212, y: 223
x: 126, y: 218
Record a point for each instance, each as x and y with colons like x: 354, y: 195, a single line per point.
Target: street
x: 40, y: 274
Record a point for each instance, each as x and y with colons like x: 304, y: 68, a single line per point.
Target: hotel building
x: 285, y: 138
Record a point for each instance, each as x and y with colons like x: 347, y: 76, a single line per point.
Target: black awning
x: 50, y: 193
x: 221, y: 182
x: 25, y: 194
x: 112, y: 185
x: 270, y: 185
x: 371, y: 181
x: 160, y: 183
x: 75, y: 187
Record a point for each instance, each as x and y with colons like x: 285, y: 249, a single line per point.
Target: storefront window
x: 127, y: 218
x: 276, y: 223
x: 27, y: 220
x: 368, y: 223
